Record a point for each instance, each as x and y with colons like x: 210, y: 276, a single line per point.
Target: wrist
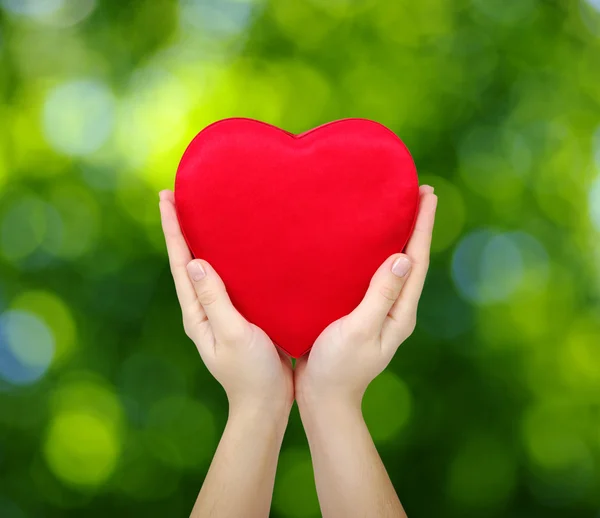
x: 329, y: 409
x: 265, y: 416
x: 322, y: 401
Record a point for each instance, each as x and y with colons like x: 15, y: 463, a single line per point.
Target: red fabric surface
x: 296, y: 225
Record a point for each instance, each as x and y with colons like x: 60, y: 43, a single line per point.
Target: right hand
x: 353, y: 350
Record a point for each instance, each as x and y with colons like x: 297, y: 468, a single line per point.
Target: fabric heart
x: 296, y: 225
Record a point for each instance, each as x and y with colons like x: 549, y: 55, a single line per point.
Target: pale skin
x: 328, y: 383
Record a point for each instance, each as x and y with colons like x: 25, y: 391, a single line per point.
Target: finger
x: 227, y: 324
x: 418, y: 249
x: 383, y: 291
x: 402, y: 316
x: 179, y: 256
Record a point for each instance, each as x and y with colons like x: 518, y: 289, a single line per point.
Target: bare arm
x: 330, y: 382
x: 241, y: 476
x: 351, y: 480
x: 257, y: 378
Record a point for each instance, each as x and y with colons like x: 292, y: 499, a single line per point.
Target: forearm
x: 350, y: 477
x: 241, y: 476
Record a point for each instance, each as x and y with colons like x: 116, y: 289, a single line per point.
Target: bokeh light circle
x: 535, y: 258
x: 55, y: 314
x: 55, y: 13
x: 487, y: 267
x: 27, y: 224
x: 81, y: 448
x: 152, y: 120
x: 594, y: 3
x: 85, y: 392
x: 215, y: 17
x: 33, y: 8
x: 78, y: 116
x: 70, y: 13
x: 84, y: 436
x: 26, y: 347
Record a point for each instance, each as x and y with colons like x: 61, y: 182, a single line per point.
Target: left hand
x: 255, y: 374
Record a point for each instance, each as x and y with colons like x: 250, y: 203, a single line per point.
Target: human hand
x: 255, y: 374
x: 353, y: 350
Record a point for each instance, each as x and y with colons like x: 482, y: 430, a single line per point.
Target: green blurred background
x: 491, y: 409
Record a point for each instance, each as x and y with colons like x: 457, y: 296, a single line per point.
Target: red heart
x: 296, y: 225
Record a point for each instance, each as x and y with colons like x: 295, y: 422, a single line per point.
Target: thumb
x: 383, y: 291
x: 227, y: 324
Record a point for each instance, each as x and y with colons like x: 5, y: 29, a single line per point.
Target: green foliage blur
x: 491, y: 409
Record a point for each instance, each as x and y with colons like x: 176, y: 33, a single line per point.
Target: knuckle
x: 207, y: 296
x: 389, y: 293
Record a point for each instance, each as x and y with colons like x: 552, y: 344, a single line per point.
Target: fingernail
x: 195, y: 270
x: 401, y: 266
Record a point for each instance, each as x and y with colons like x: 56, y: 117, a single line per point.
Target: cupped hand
x: 253, y: 371
x: 353, y: 350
